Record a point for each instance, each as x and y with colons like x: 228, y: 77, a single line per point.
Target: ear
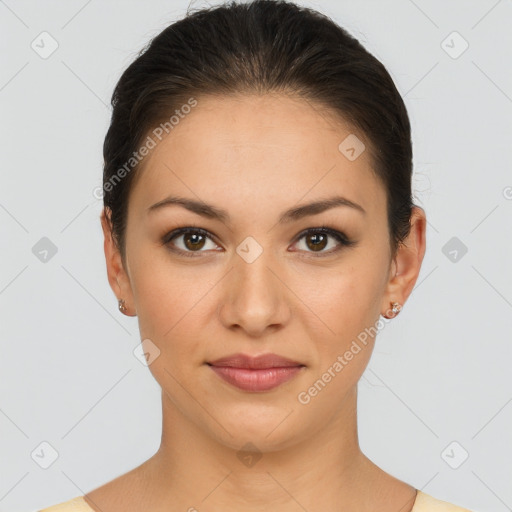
x: 117, y: 275
x: 406, y: 265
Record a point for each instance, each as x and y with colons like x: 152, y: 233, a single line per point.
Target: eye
x: 192, y: 240
x: 317, y: 239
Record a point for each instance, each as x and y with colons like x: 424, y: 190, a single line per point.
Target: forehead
x: 247, y: 150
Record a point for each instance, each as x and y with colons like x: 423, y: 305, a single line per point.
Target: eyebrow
x: 293, y: 214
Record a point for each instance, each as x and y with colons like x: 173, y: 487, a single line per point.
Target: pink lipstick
x: 261, y: 373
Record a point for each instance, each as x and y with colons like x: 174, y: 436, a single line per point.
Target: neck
x: 194, y: 469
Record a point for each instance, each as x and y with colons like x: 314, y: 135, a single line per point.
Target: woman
x: 259, y: 221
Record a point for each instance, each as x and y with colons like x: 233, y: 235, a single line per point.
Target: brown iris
x: 193, y: 240
x: 317, y: 243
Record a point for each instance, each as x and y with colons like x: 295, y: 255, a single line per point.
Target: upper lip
x: 254, y: 363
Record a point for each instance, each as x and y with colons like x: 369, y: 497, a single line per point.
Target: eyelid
x: 343, y: 240
x: 175, y: 233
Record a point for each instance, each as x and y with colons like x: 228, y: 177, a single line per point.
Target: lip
x: 261, y: 373
x: 263, y: 361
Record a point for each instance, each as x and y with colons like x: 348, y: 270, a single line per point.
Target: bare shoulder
x: 121, y: 494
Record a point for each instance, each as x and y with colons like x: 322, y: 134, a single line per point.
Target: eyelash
x: 323, y: 230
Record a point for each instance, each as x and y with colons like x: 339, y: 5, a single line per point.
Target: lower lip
x: 256, y: 380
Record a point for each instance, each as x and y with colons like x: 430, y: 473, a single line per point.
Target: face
x: 253, y: 280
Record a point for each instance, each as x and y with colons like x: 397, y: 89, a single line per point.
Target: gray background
x: 440, y: 372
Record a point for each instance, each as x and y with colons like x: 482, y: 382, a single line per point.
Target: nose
x: 255, y: 298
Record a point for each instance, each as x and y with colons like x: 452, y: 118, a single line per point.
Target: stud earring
x: 396, y: 307
x: 122, y: 306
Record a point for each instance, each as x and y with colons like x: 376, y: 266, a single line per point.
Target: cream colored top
x: 423, y: 503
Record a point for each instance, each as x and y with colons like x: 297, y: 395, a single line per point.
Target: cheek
x: 346, y: 302
x: 162, y: 290
x: 346, y: 298
x: 171, y: 304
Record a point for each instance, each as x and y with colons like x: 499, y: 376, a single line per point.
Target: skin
x: 256, y: 156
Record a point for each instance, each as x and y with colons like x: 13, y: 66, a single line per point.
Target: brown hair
x: 263, y: 46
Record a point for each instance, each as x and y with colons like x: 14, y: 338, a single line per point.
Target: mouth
x: 256, y: 374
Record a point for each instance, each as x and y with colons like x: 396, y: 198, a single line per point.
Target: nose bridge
x: 254, y: 280
x: 255, y: 276
x: 255, y: 297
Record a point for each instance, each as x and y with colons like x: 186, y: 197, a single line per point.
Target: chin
x: 268, y: 428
